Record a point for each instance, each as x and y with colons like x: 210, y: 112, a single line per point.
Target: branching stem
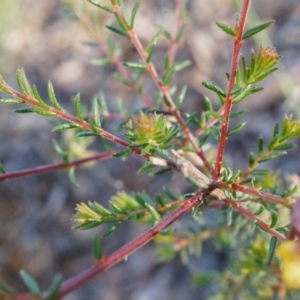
x: 238, y: 42
x: 164, y: 89
x: 117, y: 256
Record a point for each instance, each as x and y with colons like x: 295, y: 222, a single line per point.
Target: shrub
x: 252, y: 205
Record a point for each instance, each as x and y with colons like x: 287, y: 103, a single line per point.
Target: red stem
x: 253, y: 217
x: 117, y: 256
x: 174, y: 42
x: 116, y: 60
x: 53, y: 167
x: 163, y: 88
x: 238, y: 42
x: 264, y: 195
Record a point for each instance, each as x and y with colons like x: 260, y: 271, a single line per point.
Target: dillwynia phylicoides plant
x: 254, y: 206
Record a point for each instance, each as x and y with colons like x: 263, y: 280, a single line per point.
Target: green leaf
x: 72, y: 177
x: 64, y: 126
x: 101, y: 62
x: 23, y: 110
x: 122, y: 79
x: 106, y: 144
x: 257, y: 29
x: 131, y: 65
x: 77, y: 106
x: 63, y: 154
x: 244, y: 68
x: 180, y: 32
x: 121, y: 22
x: 263, y: 75
x: 251, y: 159
x: 236, y: 129
x: 272, y: 247
x: 260, y: 145
x: 93, y: 126
x: 167, y: 231
x: 150, y: 51
x: 43, y: 112
x: 235, y: 90
x: 103, y: 106
x: 160, y: 171
x: 5, y: 288
x: 274, y: 219
x: 285, y: 147
x: 213, y: 87
x: 134, y: 12
x: 118, y: 31
x: 159, y: 112
x: 97, y: 248
x: 99, y: 209
x: 30, y: 282
x: 11, y: 101
x: 111, y: 229
x: 155, y: 215
x: 260, y: 172
x: 260, y: 210
x: 237, y: 113
x: 102, y: 6
x: 2, y: 170
x: 154, y: 40
x: 275, y: 130
x: 208, y: 104
x: 226, y: 28
x: 39, y: 98
x: 182, y: 65
x: 169, y: 194
x: 180, y: 98
x: 145, y: 168
x: 123, y: 153
x: 151, y: 45
x: 271, y: 156
x: 190, y: 119
x: 23, y: 82
x: 4, y: 87
x: 52, y: 96
x: 54, y: 288
x: 160, y: 200
x: 168, y: 74
x: 86, y: 133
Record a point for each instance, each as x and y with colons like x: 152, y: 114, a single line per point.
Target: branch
x: 53, y: 167
x: 266, y: 196
x: 117, y: 256
x: 253, y: 217
x: 115, y: 59
x: 164, y: 89
x: 238, y: 42
x: 174, y: 42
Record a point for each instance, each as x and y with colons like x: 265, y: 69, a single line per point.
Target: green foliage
x: 30, y: 282
x: 54, y: 288
x: 151, y: 133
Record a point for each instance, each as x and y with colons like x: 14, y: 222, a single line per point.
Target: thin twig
x: 119, y: 255
x: 174, y: 42
x: 115, y: 59
x: 253, y: 217
x: 238, y: 42
x: 54, y: 167
x: 266, y: 196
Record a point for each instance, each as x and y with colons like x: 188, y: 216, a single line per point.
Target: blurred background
x: 36, y: 212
